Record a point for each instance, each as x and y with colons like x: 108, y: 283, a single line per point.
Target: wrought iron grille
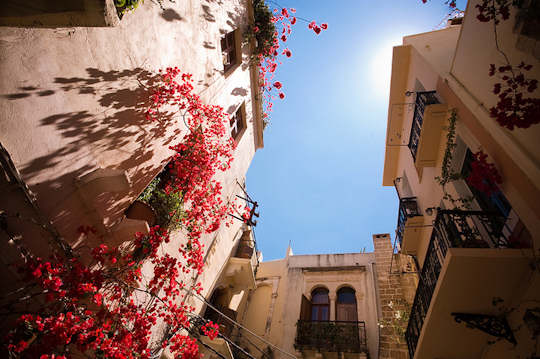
x: 451, y: 229
x: 331, y: 336
x: 408, y: 207
x: 422, y: 100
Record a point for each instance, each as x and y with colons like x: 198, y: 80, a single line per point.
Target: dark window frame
x: 238, y: 124
x: 345, y: 299
x: 496, y: 202
x: 230, y: 47
x: 320, y: 311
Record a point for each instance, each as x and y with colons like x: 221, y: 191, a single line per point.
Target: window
x: 229, y: 50
x: 527, y: 27
x: 238, y: 123
x: 346, y: 305
x: 320, y: 305
x: 509, y: 222
x: 495, y: 202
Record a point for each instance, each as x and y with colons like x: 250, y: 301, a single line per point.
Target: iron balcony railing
x: 225, y: 325
x: 331, y: 336
x: 422, y: 100
x: 408, y: 207
x: 451, y: 229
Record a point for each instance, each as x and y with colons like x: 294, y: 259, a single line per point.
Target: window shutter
x: 305, y: 309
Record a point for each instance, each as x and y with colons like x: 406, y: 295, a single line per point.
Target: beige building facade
x: 327, y: 305
x: 75, y: 141
x: 476, y: 251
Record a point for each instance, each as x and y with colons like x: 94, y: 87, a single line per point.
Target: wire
x: 227, y: 339
x: 241, y: 326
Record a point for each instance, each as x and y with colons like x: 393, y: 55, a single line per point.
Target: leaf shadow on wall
x: 115, y: 129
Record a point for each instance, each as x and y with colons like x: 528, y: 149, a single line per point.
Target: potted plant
x: 167, y: 207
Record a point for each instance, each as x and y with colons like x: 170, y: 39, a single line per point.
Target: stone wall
x: 396, y: 282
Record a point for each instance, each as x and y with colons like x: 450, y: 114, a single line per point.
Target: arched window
x: 346, y: 305
x: 320, y: 304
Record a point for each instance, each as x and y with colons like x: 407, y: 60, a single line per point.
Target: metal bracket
x: 496, y: 326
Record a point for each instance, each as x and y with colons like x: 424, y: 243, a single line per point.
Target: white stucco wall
x: 470, y: 69
x: 72, y: 101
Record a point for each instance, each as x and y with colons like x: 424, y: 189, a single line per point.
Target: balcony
x: 331, y: 336
x: 220, y: 344
x: 409, y: 226
x: 225, y: 325
x: 422, y: 100
x: 427, y: 125
x: 467, y: 264
x: 239, y: 274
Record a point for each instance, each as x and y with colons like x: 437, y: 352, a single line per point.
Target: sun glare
x: 381, y: 67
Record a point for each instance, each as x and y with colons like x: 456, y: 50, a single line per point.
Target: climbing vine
x: 483, y: 176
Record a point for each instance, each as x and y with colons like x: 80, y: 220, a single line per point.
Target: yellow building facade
x: 327, y: 305
x: 476, y: 251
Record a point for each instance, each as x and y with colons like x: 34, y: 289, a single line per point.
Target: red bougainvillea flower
x: 211, y: 330
x: 281, y: 95
x: 513, y: 108
x: 256, y: 29
x: 277, y: 85
x: 118, y: 323
x: 269, y: 60
x: 484, y: 176
x: 489, y: 10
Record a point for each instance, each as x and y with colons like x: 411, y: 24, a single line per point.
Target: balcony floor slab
x: 469, y: 281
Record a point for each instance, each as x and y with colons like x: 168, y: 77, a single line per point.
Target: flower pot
x: 244, y: 250
x: 142, y: 211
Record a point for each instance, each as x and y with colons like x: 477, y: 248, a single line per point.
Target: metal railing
x: 451, y: 229
x: 225, y: 326
x: 408, y: 207
x: 247, y: 249
x: 331, y: 336
x: 422, y: 100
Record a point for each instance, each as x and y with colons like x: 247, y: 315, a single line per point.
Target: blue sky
x: 318, y: 179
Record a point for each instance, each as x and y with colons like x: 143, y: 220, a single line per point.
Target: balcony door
x: 320, y: 305
x: 346, y: 305
x: 509, y: 223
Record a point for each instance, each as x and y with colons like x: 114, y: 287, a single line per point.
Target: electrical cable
x: 227, y: 339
